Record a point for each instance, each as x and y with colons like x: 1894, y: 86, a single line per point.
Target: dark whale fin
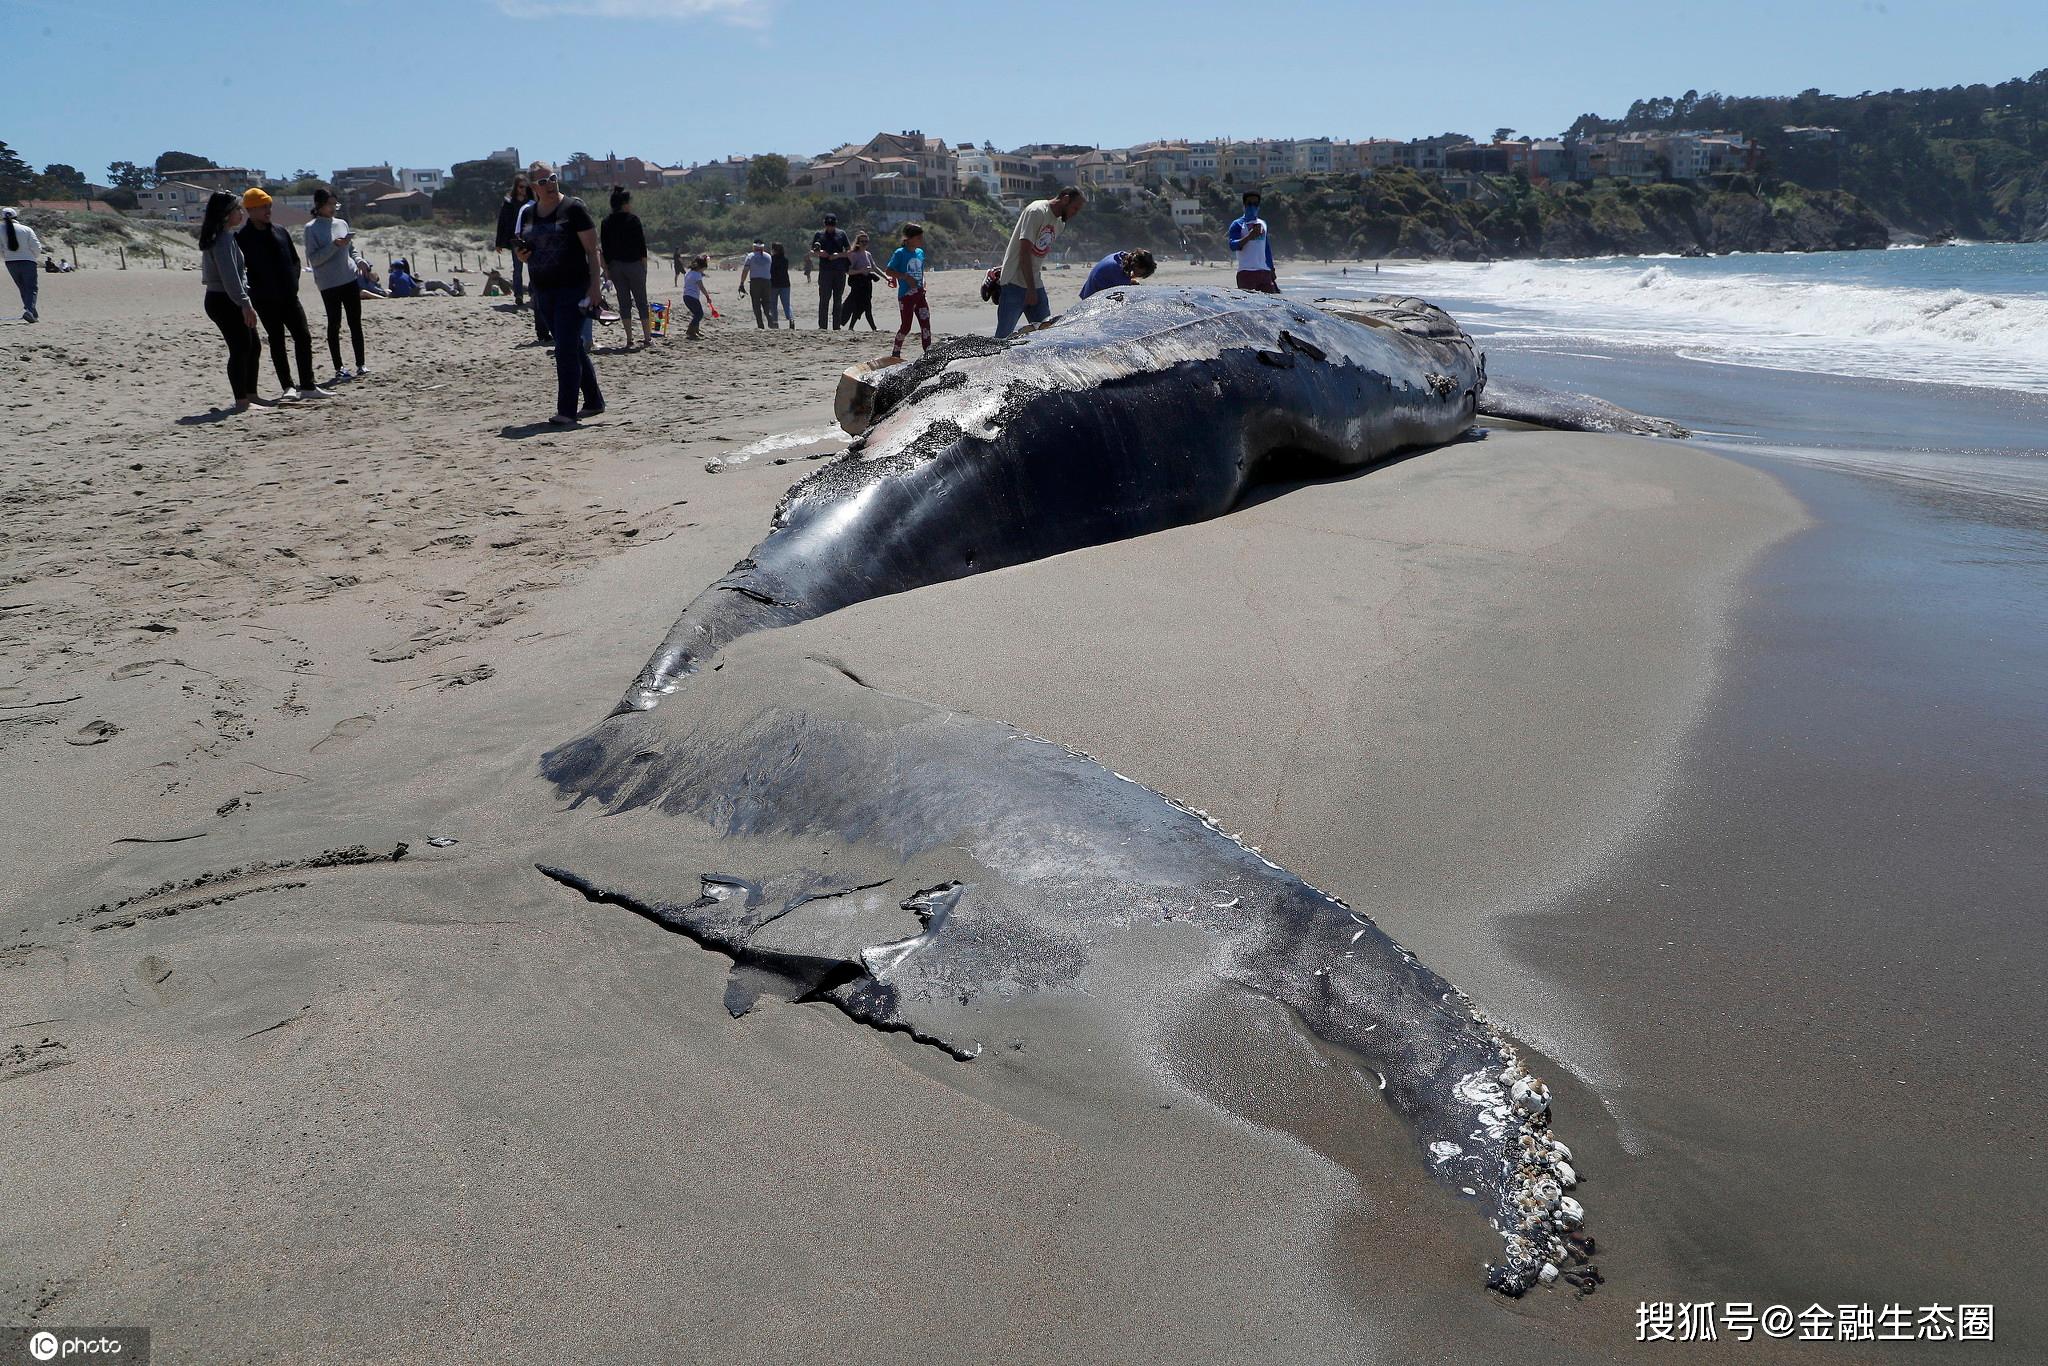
x: 1568, y: 412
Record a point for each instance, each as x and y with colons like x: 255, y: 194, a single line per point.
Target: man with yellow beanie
x: 272, y: 260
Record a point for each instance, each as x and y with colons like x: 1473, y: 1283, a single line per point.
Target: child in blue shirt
x: 905, y: 270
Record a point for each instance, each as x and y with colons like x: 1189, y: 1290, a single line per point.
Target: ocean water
x: 1927, y: 366
x: 1972, y: 314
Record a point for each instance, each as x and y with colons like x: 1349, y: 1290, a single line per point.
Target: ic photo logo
x: 127, y: 1346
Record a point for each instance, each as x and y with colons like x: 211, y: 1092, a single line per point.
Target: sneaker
x: 288, y: 396
x: 590, y: 410
x: 561, y: 420
x: 362, y: 370
x: 316, y: 392
x: 342, y: 376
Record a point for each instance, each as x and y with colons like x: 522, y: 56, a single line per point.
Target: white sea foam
x: 1851, y: 328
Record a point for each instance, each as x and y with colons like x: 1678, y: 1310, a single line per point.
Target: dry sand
x: 361, y: 1108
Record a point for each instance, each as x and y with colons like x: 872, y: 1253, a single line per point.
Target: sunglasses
x: 546, y: 180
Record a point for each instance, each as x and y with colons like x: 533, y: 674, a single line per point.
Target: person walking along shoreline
x: 330, y: 251
x: 559, y: 244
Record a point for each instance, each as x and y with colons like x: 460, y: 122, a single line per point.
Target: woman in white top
x: 21, y: 250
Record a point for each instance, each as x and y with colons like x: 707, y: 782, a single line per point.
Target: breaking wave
x: 1891, y: 331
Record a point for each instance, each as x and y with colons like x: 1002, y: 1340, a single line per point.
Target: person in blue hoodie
x: 1252, y: 246
x: 1118, y: 268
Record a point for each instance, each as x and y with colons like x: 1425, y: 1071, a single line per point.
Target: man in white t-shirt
x: 1021, y: 284
x: 1252, y: 246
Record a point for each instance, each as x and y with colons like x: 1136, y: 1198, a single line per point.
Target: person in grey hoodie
x: 227, y: 296
x: 330, y: 251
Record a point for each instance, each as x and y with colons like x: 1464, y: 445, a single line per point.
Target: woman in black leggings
x: 227, y: 296
x: 330, y: 251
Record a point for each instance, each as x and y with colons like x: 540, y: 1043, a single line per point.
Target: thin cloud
x: 745, y: 13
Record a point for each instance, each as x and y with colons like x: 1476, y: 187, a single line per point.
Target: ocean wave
x: 1943, y: 335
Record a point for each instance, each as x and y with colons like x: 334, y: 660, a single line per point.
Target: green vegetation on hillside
x: 1969, y: 160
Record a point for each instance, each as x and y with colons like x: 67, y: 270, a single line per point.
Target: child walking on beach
x: 906, y: 271
x: 694, y: 297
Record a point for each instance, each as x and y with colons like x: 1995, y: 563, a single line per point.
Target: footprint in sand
x: 344, y: 731
x: 93, y: 733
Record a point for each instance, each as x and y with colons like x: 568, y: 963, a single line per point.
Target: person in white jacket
x: 20, y: 249
x: 330, y: 251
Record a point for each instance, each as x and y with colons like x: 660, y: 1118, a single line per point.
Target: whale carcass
x: 981, y: 876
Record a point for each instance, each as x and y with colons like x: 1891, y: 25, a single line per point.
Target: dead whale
x: 995, y: 875
x: 1141, y: 409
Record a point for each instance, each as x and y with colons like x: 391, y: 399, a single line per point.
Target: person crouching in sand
x: 1118, y: 268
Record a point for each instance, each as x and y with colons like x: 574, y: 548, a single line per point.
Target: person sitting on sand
x: 1118, y: 268
x: 495, y: 284
x: 406, y: 285
x: 367, y: 281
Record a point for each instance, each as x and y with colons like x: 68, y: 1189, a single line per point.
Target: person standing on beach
x: 755, y: 273
x: 273, y: 263
x: 520, y: 195
x: 680, y: 265
x: 559, y: 246
x: 694, y: 296
x: 831, y: 248
x: 1022, y: 281
x: 20, y: 248
x: 623, y: 243
x: 331, y: 253
x: 906, y: 271
x: 1252, y: 245
x: 1118, y: 268
x: 226, y: 282
x: 778, y: 281
x: 860, y: 284
x: 807, y: 267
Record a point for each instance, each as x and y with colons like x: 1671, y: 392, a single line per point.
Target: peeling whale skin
x: 1143, y: 408
x: 1077, y: 882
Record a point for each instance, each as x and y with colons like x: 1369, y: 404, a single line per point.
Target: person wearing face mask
x: 1252, y: 246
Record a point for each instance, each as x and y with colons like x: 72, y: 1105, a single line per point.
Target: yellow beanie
x: 253, y: 196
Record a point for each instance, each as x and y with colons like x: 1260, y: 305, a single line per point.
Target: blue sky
x: 283, y: 84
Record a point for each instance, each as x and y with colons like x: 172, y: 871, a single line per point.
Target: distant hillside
x: 1969, y: 161
x: 1396, y: 213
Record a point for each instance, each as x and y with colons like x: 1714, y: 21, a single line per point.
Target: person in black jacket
x: 623, y: 245
x: 272, y: 260
x: 508, y: 219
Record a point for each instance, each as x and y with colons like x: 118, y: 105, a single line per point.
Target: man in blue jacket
x: 1252, y: 246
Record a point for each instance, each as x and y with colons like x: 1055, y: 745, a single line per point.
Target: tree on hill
x: 170, y: 163
x: 17, y: 178
x: 768, y: 174
x: 62, y: 182
x: 126, y: 175
x: 473, y: 192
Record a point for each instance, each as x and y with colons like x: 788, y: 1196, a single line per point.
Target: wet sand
x: 442, y: 1105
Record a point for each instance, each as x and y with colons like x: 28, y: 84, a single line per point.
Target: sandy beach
x: 281, y: 1091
